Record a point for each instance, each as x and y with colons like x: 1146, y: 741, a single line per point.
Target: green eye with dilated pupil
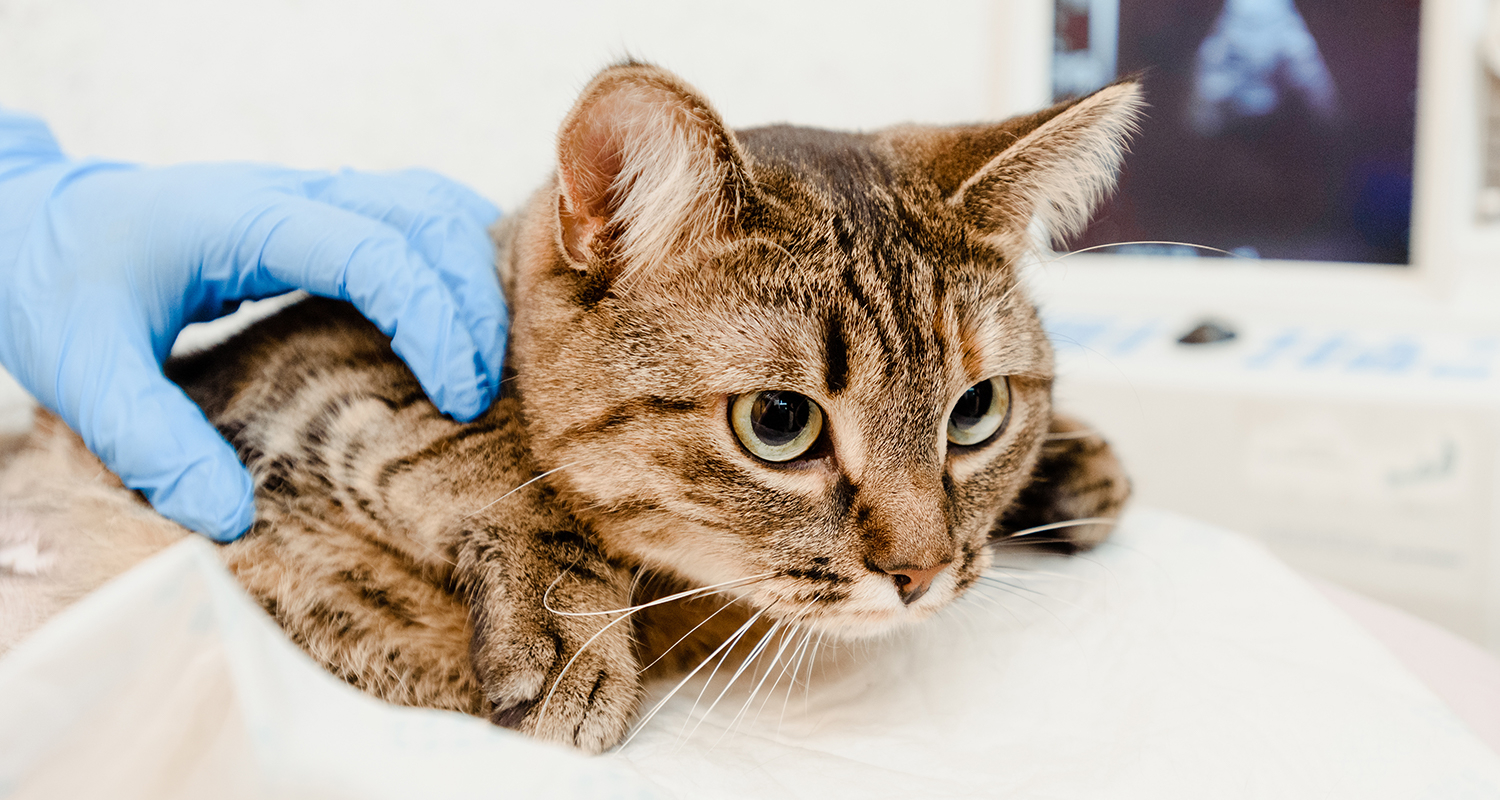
x: 776, y: 426
x: 981, y: 411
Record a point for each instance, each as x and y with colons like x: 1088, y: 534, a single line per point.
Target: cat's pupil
x: 973, y: 405
x: 778, y: 417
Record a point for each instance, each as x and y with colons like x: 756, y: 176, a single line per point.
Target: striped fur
x: 671, y: 266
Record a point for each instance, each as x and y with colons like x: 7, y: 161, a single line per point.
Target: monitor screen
x: 1276, y: 129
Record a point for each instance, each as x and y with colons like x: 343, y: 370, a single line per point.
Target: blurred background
x: 1288, y: 319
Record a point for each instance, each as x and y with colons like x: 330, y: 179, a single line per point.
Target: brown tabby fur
x: 671, y: 266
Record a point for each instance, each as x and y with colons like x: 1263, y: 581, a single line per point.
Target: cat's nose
x: 913, y: 582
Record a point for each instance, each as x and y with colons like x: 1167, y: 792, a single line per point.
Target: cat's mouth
x: 852, y: 609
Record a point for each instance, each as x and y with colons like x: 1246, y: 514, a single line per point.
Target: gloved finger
x: 112, y: 392
x: 448, y: 225
x: 302, y: 244
x: 370, y: 193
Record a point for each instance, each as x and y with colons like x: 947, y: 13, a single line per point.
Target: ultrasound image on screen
x: 1276, y: 129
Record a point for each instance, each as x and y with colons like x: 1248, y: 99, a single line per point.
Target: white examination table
x: 1177, y: 661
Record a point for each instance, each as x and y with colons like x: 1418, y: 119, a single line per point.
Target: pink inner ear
x: 642, y: 168
x: 577, y: 232
x: 590, y: 160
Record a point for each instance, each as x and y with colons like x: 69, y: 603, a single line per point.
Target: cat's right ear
x: 648, y: 174
x: 1053, y: 166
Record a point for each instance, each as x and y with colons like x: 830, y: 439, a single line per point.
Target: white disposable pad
x: 1177, y: 661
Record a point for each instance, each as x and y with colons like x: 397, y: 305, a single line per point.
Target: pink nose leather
x: 913, y: 582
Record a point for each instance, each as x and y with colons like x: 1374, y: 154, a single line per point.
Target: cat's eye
x: 776, y: 426
x: 983, y: 409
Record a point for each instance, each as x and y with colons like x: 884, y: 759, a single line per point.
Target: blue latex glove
x: 102, y: 264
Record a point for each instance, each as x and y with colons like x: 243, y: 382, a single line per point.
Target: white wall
x: 473, y: 89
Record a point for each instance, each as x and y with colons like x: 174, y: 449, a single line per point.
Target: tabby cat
x: 794, y: 364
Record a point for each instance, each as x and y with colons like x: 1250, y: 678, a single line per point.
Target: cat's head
x: 795, y: 357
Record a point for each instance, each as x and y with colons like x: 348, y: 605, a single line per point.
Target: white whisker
x: 640, y: 726
x: 1070, y: 523
x: 1004, y: 585
x: 749, y: 659
x: 1031, y: 542
x: 794, y: 661
x: 811, y: 661
x: 517, y: 489
x: 1061, y: 436
x: 684, y: 637
x: 1029, y: 572
x: 636, y: 581
x: 542, y: 712
x: 1009, y: 590
x: 1061, y: 256
x: 734, y: 641
x: 801, y: 638
x: 632, y: 609
x: 994, y: 601
x: 624, y: 615
x: 786, y: 640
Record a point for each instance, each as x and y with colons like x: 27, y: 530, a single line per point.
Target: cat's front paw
x: 1077, y: 490
x: 560, y: 679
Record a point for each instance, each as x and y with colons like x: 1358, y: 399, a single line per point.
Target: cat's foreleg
x: 554, y: 656
x: 358, y: 607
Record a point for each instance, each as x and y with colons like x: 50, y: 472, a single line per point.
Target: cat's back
x: 304, y: 345
x: 342, y: 443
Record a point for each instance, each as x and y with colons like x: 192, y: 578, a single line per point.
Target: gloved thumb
x: 148, y: 432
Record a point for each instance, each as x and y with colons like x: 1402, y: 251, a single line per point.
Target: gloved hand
x: 102, y: 264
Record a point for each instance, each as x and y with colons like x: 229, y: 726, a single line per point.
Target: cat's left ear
x: 1054, y: 166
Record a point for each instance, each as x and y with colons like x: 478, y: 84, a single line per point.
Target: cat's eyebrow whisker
x: 736, y: 583
x: 1052, y: 526
x: 636, y: 581
x: 735, y: 637
x: 517, y: 489
x: 1005, y: 298
x: 763, y: 240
